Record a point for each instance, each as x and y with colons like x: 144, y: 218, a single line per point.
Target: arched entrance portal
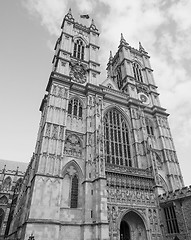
x: 124, y: 231
x: 132, y: 227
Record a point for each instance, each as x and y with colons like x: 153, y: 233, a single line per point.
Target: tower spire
x: 110, y: 56
x: 109, y: 65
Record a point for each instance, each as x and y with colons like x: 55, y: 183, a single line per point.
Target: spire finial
x: 123, y: 41
x: 141, y: 48
x: 4, y: 168
x: 93, y: 26
x: 122, y: 38
x: 69, y: 15
x: 110, y: 55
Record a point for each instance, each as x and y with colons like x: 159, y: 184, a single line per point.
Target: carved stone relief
x: 61, y: 133
x: 48, y: 129
x: 129, y: 189
x: 73, y: 146
x: 143, y: 89
x: 59, y: 91
x: 98, y: 106
x: 55, y: 132
x: 153, y: 220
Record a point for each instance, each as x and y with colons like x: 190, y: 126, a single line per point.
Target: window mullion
x: 72, y: 102
x: 126, y: 147
x: 110, y: 150
x: 78, y: 107
x: 122, y: 143
x: 116, y: 137
x: 113, y: 135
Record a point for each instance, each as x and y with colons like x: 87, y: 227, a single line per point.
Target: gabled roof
x: 109, y: 83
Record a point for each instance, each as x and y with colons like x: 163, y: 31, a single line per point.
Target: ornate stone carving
x: 130, y: 171
x: 48, y: 128
x: 61, y: 133
x: 98, y: 106
x: 55, y: 132
x: 127, y: 189
x: 3, y: 200
x: 143, y: 89
x: 158, y: 161
x: 6, y: 184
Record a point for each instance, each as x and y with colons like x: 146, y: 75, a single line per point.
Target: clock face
x: 143, y: 98
x: 78, y: 73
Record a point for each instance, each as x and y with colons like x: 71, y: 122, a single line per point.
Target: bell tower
x: 131, y: 72
x: 76, y: 51
x: 64, y: 193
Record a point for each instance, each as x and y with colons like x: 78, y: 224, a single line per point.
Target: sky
x: 29, y: 30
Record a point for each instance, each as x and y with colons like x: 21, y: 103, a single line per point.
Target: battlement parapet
x: 175, y: 195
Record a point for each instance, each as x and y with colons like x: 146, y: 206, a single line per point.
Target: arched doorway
x: 132, y: 227
x: 124, y: 231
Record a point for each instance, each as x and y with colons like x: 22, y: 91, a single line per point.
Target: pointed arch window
x: 137, y: 72
x: 7, y: 184
x: 79, y: 49
x: 149, y: 126
x: 75, y: 108
x: 116, y: 139
x: 18, y: 186
x: 74, y: 192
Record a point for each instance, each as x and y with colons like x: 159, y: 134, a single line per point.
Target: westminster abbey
x: 104, y: 165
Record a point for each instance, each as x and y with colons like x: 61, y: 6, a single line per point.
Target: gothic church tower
x: 104, y: 151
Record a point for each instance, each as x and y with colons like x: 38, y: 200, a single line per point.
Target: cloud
x: 86, y: 6
x: 163, y: 27
x: 50, y: 13
x: 180, y: 13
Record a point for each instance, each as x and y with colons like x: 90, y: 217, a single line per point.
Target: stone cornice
x: 130, y: 171
x: 59, y: 78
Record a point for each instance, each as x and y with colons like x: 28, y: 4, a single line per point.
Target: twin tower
x: 104, y: 151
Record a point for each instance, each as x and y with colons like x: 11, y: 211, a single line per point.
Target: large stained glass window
x: 116, y: 138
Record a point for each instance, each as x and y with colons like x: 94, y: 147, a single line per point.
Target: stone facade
x: 104, y: 152
x: 180, y: 200
x: 11, y: 175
